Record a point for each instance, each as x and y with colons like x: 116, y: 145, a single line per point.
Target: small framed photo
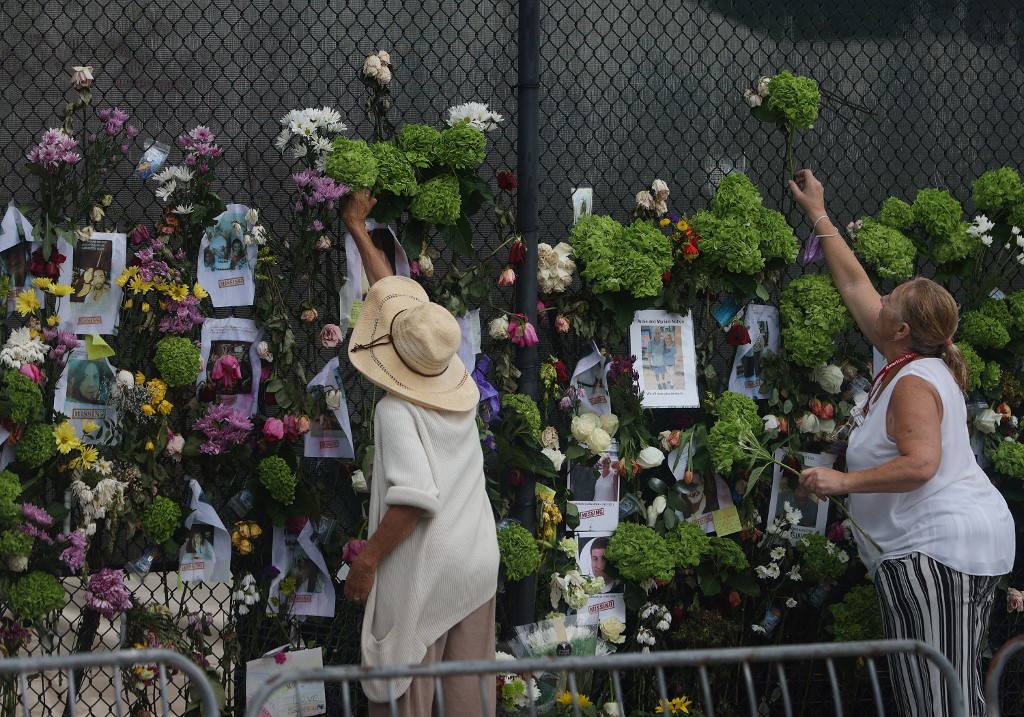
x: 582, y: 203
x: 668, y: 359
x: 786, y: 489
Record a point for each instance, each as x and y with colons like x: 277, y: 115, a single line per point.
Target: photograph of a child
x: 199, y: 549
x: 660, y: 349
x: 593, y: 562
x: 668, y: 358
x: 89, y: 382
x: 14, y: 264
x: 240, y: 351
x: 226, y: 250
x: 90, y: 272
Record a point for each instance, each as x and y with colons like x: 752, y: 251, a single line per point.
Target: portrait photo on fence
x: 793, y: 504
x: 668, y: 359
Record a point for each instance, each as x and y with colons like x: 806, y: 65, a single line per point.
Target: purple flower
x: 132, y: 131
x: 33, y: 531
x: 74, y: 555
x: 37, y: 515
x: 201, y: 134
x: 107, y: 594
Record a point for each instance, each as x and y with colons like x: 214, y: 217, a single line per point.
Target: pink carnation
x: 352, y: 550
x: 273, y: 430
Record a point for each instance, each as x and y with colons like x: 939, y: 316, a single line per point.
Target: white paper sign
x: 703, y: 495
x: 590, y: 375
x: 469, y: 347
x: 383, y: 237
x: 16, y: 249
x: 83, y: 392
x: 595, y: 493
x: 227, y: 265
x: 592, y: 560
x: 762, y: 324
x: 813, y: 513
x: 601, y: 606
x: 668, y: 358
x: 238, y: 338
x: 299, y: 558
x: 206, y: 555
x: 95, y: 300
x: 330, y: 436
x: 312, y: 695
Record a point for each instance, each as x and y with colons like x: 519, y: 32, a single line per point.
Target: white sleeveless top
x: 958, y: 517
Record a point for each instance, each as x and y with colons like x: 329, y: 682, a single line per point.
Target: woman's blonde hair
x: 932, y: 315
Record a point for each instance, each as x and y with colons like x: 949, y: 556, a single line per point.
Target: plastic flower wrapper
x: 812, y: 312
x: 550, y: 638
x: 998, y: 190
x: 352, y: 163
x: 515, y: 692
x: 887, y: 252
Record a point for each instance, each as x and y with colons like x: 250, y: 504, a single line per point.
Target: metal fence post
x: 528, y: 151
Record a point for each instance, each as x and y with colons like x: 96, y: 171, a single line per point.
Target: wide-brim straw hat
x: 407, y: 345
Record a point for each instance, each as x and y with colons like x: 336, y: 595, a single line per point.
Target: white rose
x: 611, y: 709
x: 644, y: 200
x: 17, y: 563
x: 650, y: 457
x: 612, y: 629
x: 660, y: 190
x: 827, y: 425
x: 771, y: 423
x: 752, y: 98
x: 810, y: 424
x: 555, y: 456
x: 384, y: 57
x: 829, y: 377
x: 125, y: 379
x: 498, y: 328
x: 609, y: 423
x: 359, y: 482
x: 333, y: 398
x: 383, y: 75
x: 426, y: 265
x: 263, y: 351
x: 659, y: 504
x: 582, y: 426
x: 549, y: 437
x: 660, y: 208
x: 987, y: 420
x: 599, y: 441
x: 762, y: 85
x: 372, y: 66
x: 252, y: 217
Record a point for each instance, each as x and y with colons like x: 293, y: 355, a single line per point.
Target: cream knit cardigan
x: 448, y: 566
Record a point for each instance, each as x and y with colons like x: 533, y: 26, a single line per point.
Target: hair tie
x: 947, y: 343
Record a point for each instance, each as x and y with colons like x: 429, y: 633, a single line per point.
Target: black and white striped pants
x: 922, y: 599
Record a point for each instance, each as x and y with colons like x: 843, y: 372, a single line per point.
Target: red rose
x: 517, y: 252
x: 665, y: 278
x: 738, y: 336
x: 561, y: 372
x: 49, y: 268
x: 515, y: 478
x: 507, y: 180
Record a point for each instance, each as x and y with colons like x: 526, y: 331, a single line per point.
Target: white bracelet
x: 815, y: 225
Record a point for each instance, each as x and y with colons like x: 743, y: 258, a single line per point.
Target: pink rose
x: 352, y: 550
x: 226, y: 371
x: 521, y: 331
x: 330, y: 335
x: 562, y: 325
x: 273, y: 429
x: 507, y: 277
x: 302, y: 424
x: 1014, y: 600
x: 308, y: 316
x: 265, y: 373
x: 33, y: 372
x: 174, y: 447
x: 295, y: 523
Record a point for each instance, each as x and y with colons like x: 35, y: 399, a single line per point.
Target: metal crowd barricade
x: 616, y: 664
x: 23, y: 667
x: 995, y: 673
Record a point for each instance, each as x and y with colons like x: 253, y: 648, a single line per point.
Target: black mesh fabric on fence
x: 916, y: 94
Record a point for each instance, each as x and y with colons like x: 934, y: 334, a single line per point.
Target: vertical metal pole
x: 528, y: 216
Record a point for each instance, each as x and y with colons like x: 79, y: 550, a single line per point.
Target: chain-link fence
x: 915, y: 94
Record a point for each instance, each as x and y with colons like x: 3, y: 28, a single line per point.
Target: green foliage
x: 525, y: 408
x: 736, y: 195
x: 160, y: 519
x: 795, y: 97
x: 519, y: 554
x: 992, y: 376
x: 277, y: 477
x: 177, y: 360
x: 639, y: 553
x: 937, y: 212
x: 614, y: 258
x: 975, y: 365
x: 22, y: 396
x: 983, y: 330
x: 395, y: 173
x: 1015, y: 305
x: 462, y: 146
x: 1016, y: 216
x: 15, y: 543
x: 776, y: 237
x: 688, y: 543
x: 896, y: 214
x: 438, y: 201
x: 997, y: 190
x: 10, y: 489
x: 36, y: 446
x: 958, y: 245
x: 419, y: 142
x: 737, y: 416
x: 858, y: 617
x: 35, y: 596
x: 822, y: 560
x: 888, y: 252
x: 726, y: 554
x: 1008, y: 458
x: 812, y: 313
x: 351, y: 162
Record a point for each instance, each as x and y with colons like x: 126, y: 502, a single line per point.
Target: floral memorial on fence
x: 158, y: 408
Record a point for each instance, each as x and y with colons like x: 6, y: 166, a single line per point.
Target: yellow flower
x: 244, y: 547
x: 665, y: 222
x: 53, y: 320
x: 129, y: 303
x: 60, y: 289
x: 42, y: 283
x: 565, y: 698
x: 199, y: 291
x: 679, y: 705
x: 177, y: 292
x: 157, y: 390
x: 140, y: 378
x: 165, y: 407
x: 87, y: 455
x: 27, y: 302
x: 255, y: 530
x: 148, y: 410
x: 682, y: 226
x: 35, y: 334
x: 89, y: 426
x: 138, y: 286
x: 149, y: 445
x: 145, y: 307
x: 126, y: 275
x: 66, y: 438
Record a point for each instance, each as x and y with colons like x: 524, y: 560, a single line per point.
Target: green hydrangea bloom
x: 729, y: 243
x: 937, y: 211
x: 630, y: 259
x: 1008, y: 458
x: 15, y: 543
x: 986, y: 332
x: 639, y: 553
x: 1016, y: 216
x: 727, y: 554
x: 736, y: 195
x: 438, y: 201
x: 526, y: 409
x: 795, y: 97
x: 997, y: 190
x: 776, y: 237
x: 975, y: 365
x: 888, y: 252
x: 992, y: 376
x: 177, y: 360
x: 395, y: 173
x: 958, y: 245
x: 999, y: 310
x: 896, y: 213
x: 351, y: 162
x: 10, y: 489
x: 688, y: 543
x: 36, y: 446
x: 278, y: 478
x: 462, y: 146
x: 160, y: 519
x: 22, y: 396
x: 857, y: 617
x: 518, y: 550
x: 812, y: 312
x: 737, y: 415
x: 821, y: 559
x: 1015, y: 305
x: 35, y: 596
x: 419, y: 142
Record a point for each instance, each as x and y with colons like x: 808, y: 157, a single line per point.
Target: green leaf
x: 670, y: 519
x: 787, y: 407
x: 389, y: 207
x: 764, y: 114
x: 762, y: 292
x: 458, y: 237
x: 413, y: 235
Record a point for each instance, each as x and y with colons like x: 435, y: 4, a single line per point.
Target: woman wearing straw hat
x: 429, y: 571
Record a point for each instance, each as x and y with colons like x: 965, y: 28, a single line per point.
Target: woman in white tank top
x: 945, y: 533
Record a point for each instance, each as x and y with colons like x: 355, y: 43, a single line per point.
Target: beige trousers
x: 471, y: 639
